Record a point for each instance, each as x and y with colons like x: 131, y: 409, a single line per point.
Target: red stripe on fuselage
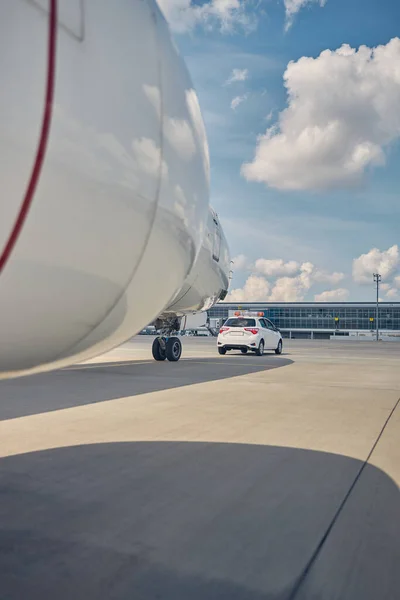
x: 43, y: 139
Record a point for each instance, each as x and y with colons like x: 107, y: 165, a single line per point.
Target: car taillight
x: 252, y: 330
x: 223, y: 329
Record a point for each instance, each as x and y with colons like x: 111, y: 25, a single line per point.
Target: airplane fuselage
x: 105, y: 179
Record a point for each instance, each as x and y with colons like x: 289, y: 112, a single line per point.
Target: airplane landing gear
x: 167, y: 347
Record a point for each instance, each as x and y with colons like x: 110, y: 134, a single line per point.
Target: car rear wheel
x: 221, y: 350
x: 278, y: 349
x: 243, y: 350
x: 260, y: 349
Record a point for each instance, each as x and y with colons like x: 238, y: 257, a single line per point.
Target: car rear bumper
x: 252, y: 346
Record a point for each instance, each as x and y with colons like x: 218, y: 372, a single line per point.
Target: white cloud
x: 293, y: 281
x: 392, y: 290
x: 288, y: 289
x: 294, y: 289
x: 238, y: 100
x: 240, y: 262
x: 269, y: 115
x: 237, y: 75
x: 324, y: 277
x: 385, y: 262
x: 342, y: 113
x: 226, y: 15
x: 392, y: 293
x: 339, y: 295
x: 276, y: 267
x: 256, y: 288
x: 292, y: 7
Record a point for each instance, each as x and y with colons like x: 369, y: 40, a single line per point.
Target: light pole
x: 377, y: 280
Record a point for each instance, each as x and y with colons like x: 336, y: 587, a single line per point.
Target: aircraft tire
x: 158, y: 351
x: 174, y: 349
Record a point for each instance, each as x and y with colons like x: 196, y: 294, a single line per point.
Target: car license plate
x: 237, y: 333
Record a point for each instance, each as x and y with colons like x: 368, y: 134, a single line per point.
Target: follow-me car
x: 252, y: 333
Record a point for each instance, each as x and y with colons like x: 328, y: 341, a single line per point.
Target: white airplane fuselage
x: 105, y: 221
x: 208, y: 281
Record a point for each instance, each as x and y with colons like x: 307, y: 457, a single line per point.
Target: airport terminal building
x: 318, y: 319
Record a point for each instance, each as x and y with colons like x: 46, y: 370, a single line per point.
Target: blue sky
x: 322, y: 189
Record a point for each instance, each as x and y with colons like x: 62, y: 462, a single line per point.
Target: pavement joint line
x: 307, y: 569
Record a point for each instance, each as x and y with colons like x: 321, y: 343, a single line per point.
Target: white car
x: 249, y: 333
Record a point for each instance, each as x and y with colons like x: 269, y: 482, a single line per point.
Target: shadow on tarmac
x: 91, y: 383
x: 195, y: 521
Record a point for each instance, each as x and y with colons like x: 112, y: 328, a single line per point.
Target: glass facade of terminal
x: 313, y: 316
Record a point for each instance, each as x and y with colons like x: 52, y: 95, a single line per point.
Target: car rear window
x: 240, y: 323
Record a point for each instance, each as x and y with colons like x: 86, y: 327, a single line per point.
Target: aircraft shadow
x: 195, y: 521
x: 91, y: 383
